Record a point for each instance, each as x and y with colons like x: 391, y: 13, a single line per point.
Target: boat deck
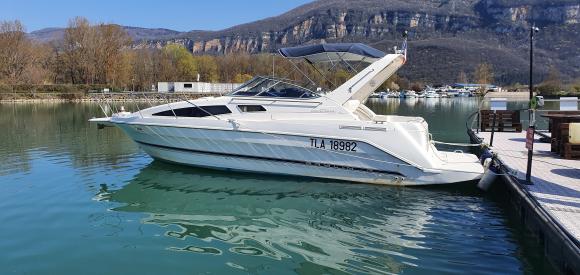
x: 556, y: 181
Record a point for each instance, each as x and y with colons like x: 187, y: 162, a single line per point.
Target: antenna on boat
x: 404, y: 46
x: 273, y: 60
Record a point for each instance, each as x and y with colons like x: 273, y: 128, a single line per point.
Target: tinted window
x: 251, y: 108
x: 272, y: 87
x: 287, y: 91
x: 201, y: 111
x: 251, y: 88
x: 187, y: 85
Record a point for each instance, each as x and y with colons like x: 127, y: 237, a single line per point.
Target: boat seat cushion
x: 574, y: 133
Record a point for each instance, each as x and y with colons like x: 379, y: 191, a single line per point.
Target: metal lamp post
x: 532, y: 107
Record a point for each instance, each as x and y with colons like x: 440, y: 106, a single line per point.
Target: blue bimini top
x: 332, y: 52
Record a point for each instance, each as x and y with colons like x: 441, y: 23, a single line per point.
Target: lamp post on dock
x: 532, y: 108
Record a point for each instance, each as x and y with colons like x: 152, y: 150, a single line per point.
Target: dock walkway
x: 556, y: 181
x: 555, y: 188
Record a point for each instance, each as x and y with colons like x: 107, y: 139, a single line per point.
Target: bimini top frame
x: 364, y: 82
x: 334, y: 52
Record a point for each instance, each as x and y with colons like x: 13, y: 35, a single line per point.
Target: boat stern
x: 454, y: 167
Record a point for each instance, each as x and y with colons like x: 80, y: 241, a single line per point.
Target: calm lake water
x: 77, y: 200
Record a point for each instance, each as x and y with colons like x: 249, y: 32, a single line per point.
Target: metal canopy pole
x: 320, y: 72
x: 273, y: 60
x: 303, y: 74
x: 347, y: 64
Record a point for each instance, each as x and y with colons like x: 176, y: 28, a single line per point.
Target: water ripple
x: 73, y: 196
x: 351, y: 228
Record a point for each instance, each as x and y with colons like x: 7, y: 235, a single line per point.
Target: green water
x: 77, y: 200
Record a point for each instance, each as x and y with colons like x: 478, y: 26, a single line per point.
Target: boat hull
x: 279, y: 154
x: 268, y: 166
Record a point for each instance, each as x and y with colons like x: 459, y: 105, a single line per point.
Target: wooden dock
x: 550, y: 206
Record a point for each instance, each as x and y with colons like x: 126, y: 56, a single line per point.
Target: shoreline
x: 81, y: 97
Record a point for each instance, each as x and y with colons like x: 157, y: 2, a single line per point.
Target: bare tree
x: 552, y: 84
x: 96, y: 54
x: 21, y: 60
x: 484, y: 73
x: 111, y: 59
x: 15, y: 51
x: 462, y: 77
x: 77, y: 52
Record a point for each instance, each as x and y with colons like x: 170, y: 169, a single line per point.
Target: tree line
x: 102, y: 54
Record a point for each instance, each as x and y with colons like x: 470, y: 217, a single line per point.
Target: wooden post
x: 478, y: 122
x: 492, y: 129
x: 530, y: 146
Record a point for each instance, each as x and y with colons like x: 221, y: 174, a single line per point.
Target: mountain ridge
x: 495, y: 31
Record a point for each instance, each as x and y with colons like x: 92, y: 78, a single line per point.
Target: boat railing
x: 115, y: 102
x: 275, y: 100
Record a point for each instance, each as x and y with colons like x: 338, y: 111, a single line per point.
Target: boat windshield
x: 272, y: 87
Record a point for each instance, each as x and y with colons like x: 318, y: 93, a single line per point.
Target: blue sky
x: 177, y: 15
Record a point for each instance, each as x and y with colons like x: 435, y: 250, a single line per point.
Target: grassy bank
x: 44, y: 96
x: 25, y: 92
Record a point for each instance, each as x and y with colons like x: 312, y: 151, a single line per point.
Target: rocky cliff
x: 446, y: 36
x: 375, y: 20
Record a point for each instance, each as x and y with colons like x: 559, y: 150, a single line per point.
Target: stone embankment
x: 508, y: 95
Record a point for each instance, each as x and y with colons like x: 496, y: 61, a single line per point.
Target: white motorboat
x: 453, y: 92
x: 464, y: 93
x: 458, y: 92
x: 272, y: 125
x: 410, y: 94
x: 431, y: 94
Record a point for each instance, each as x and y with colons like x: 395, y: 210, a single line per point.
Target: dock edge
x: 559, y: 247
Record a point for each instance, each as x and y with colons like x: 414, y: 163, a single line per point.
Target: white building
x: 196, y: 87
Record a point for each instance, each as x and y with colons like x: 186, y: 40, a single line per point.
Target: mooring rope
x: 456, y: 144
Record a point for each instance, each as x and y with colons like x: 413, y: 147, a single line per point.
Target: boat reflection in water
x: 316, y: 226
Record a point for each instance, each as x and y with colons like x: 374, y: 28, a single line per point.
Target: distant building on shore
x: 196, y: 87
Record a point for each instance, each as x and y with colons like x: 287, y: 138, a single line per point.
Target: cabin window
x: 252, y: 108
x: 201, y: 111
x: 187, y: 85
